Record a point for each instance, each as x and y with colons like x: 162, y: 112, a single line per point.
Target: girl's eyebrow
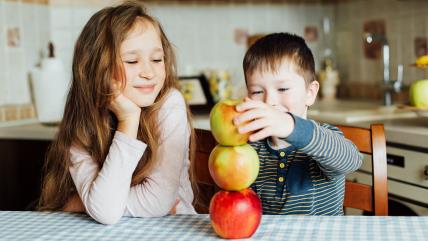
x: 158, y: 50
x: 155, y: 50
x: 129, y: 52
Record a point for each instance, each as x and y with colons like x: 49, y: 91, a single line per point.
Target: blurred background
x: 211, y: 36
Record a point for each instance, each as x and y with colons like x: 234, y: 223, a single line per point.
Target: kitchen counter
x: 33, y: 130
x: 402, y: 127
x: 412, y: 132
x: 28, y: 130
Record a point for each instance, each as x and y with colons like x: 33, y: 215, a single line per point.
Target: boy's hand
x: 126, y: 111
x: 263, y: 119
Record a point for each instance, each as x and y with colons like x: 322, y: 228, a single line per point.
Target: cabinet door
x: 21, y: 163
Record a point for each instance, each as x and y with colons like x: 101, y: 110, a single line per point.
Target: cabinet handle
x: 426, y: 172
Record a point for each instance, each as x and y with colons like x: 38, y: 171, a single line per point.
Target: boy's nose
x: 271, y: 99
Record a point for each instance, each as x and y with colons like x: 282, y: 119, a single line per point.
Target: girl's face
x: 284, y: 89
x: 143, y: 60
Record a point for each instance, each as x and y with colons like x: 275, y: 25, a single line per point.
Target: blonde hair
x: 87, y: 122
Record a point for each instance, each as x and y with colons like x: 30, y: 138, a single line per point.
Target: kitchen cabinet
x: 21, y: 164
x: 407, y: 179
x: 22, y: 147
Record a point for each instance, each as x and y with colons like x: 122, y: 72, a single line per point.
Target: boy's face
x: 285, y: 89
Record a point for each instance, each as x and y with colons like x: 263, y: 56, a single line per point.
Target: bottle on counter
x: 50, y: 84
x: 329, y: 80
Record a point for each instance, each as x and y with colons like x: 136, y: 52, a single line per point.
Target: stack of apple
x: 236, y: 210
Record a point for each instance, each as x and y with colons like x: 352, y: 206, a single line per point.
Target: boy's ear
x: 311, y: 92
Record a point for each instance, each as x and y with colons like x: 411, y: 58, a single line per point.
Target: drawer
x: 412, y: 192
x: 412, y: 171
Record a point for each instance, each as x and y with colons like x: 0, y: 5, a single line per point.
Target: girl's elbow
x: 161, y: 211
x: 108, y: 220
x: 165, y: 209
x: 105, y: 217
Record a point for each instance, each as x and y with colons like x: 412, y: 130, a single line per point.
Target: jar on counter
x: 220, y: 84
x: 329, y: 79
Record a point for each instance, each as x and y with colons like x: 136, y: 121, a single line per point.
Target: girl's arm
x: 326, y: 144
x: 159, y: 193
x: 104, y: 191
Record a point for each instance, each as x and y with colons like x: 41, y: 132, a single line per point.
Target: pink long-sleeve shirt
x: 106, y: 190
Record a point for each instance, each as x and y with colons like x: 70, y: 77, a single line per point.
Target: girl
x: 123, y: 144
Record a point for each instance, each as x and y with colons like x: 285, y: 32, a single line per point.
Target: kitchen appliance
x: 407, y: 179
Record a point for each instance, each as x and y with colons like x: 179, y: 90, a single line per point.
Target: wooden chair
x: 205, y: 142
x: 365, y: 197
x: 373, y: 199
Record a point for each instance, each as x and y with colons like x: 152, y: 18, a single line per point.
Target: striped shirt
x: 307, y: 177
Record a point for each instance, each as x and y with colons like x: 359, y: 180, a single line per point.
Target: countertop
x: 402, y: 127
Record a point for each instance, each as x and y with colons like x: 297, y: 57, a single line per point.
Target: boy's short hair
x: 267, y: 54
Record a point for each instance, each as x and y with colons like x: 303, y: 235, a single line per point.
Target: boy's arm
x: 326, y: 144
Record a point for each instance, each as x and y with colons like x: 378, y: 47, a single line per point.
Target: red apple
x: 235, y: 214
x: 233, y: 168
x: 222, y: 127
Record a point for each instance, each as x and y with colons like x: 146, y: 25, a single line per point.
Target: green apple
x: 222, y: 127
x: 234, y: 168
x: 419, y: 93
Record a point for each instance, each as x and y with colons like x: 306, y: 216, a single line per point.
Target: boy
x: 302, y: 163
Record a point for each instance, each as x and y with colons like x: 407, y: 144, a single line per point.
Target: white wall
x: 32, y: 22
x: 203, y: 35
x: 404, y: 20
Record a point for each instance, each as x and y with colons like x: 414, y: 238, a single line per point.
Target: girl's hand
x: 74, y: 204
x: 263, y: 119
x: 122, y: 107
x: 173, y: 210
x: 127, y: 113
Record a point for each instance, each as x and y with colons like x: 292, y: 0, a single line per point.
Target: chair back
x: 205, y: 142
x: 371, y: 198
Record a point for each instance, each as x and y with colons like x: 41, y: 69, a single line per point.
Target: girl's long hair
x: 87, y: 122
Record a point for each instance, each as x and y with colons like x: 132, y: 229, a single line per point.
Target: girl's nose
x: 146, y: 71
